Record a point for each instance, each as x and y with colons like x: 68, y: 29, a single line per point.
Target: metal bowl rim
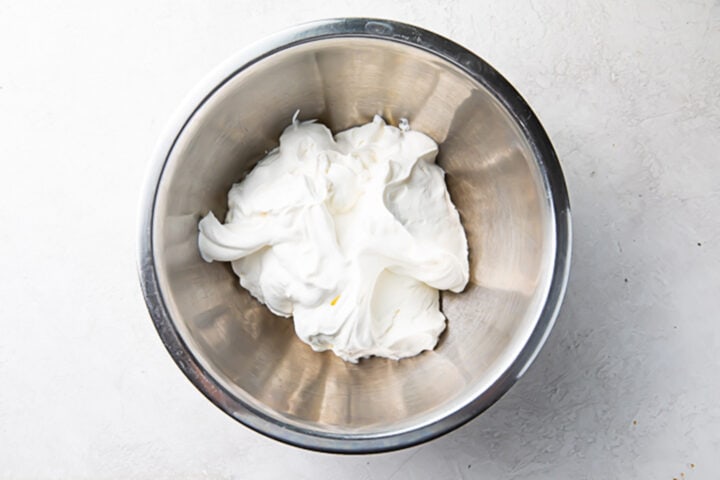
x: 477, y: 69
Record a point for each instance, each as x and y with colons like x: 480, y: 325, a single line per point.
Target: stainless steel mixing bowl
x: 502, y: 174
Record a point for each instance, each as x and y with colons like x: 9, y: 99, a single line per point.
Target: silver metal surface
x: 502, y: 174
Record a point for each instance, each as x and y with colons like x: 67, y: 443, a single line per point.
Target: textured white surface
x: 627, y: 385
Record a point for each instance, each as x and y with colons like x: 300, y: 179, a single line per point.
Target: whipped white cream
x: 352, y: 236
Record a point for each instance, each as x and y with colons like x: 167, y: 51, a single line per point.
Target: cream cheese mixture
x: 353, y: 236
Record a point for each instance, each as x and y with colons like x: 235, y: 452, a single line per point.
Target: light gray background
x: 627, y: 385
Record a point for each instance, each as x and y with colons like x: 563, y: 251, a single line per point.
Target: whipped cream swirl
x: 353, y: 236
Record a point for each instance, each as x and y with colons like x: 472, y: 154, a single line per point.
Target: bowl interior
x: 494, y: 180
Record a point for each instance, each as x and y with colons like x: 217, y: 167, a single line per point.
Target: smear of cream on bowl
x: 353, y: 236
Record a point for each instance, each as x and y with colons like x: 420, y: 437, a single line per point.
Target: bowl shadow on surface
x: 566, y: 401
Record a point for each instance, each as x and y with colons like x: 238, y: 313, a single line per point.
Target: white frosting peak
x: 353, y: 236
